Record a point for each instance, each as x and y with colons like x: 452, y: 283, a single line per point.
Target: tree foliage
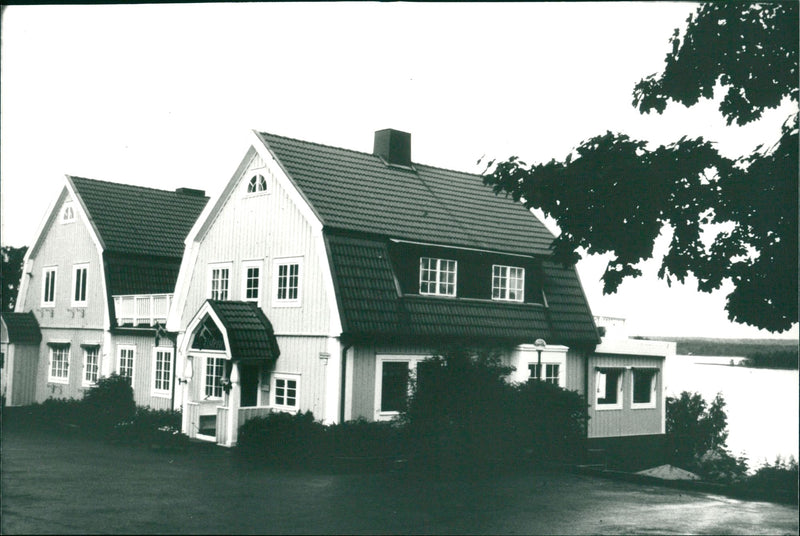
x: 614, y: 194
x: 11, y: 274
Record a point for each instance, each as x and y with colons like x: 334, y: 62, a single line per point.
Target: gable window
x: 162, y: 372
x: 49, y: 287
x: 219, y: 281
x: 79, y: 272
x: 392, y: 383
x: 286, y: 388
x: 508, y: 283
x: 251, y: 281
x: 437, y: 276
x: 287, y: 282
x: 58, y: 371
x: 257, y: 184
x: 643, y: 388
x: 91, y: 365
x: 127, y: 354
x: 215, y: 372
x: 608, y: 385
x: 68, y: 215
x: 550, y: 372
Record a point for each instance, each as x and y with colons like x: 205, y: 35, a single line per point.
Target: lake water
x: 761, y: 404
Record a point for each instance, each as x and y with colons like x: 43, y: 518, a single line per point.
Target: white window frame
x: 653, y: 387
x: 599, y: 380
x: 253, y: 174
x: 505, y: 276
x: 45, y: 271
x: 246, y: 266
x: 287, y: 302
x: 76, y: 269
x: 438, y: 271
x: 219, y: 266
x: 161, y: 392
x: 85, y: 380
x: 126, y: 347
x: 59, y: 379
x: 286, y: 377
x: 68, y: 213
x: 412, y: 360
x: 220, y: 358
x: 546, y: 364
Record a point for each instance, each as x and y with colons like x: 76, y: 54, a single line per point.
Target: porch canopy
x: 241, y: 329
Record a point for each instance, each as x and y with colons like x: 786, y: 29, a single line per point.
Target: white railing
x: 138, y: 309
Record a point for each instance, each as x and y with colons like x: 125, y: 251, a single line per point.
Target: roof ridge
x: 160, y: 190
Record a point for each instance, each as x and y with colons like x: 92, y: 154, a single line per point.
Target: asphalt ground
x: 55, y: 484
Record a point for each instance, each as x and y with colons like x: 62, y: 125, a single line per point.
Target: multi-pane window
x: 125, y: 364
x: 394, y: 385
x: 162, y: 379
x: 550, y: 372
x: 49, y: 287
x: 215, y: 371
x: 286, y: 392
x: 59, y: 363
x: 252, y: 282
x: 644, y: 386
x: 437, y: 276
x: 287, y: 281
x: 79, y: 273
x: 508, y: 283
x: 220, y: 282
x: 608, y: 387
x: 91, y: 365
x: 257, y: 183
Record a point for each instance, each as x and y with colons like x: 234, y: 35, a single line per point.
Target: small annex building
x: 20, y: 338
x: 98, y: 281
x: 363, y: 264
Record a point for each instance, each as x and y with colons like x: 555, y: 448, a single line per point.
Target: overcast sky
x: 166, y: 95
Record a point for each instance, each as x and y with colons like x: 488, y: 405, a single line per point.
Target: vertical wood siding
x: 576, y: 371
x: 63, y: 246
x: 625, y: 421
x: 75, y: 338
x: 143, y: 367
x: 26, y: 364
x: 300, y: 355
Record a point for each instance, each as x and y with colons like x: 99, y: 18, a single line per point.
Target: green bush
x: 361, y: 438
x: 108, y: 403
x: 159, y: 428
x: 282, y: 438
x: 781, y: 477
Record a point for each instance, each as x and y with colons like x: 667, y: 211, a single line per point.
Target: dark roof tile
x: 249, y: 331
x: 23, y: 328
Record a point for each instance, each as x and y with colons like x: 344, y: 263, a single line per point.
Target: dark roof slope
x: 137, y: 220
x: 371, y: 307
x: 249, y: 331
x: 356, y: 191
x: 137, y: 274
x: 23, y: 328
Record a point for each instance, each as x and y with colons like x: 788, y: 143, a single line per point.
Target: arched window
x: 208, y: 336
x: 257, y: 184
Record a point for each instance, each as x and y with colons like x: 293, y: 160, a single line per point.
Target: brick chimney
x: 393, y: 146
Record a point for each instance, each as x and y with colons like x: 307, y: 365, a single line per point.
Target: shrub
x: 109, y: 402
x: 159, y: 428
x: 361, y: 438
x: 282, y: 437
x: 781, y: 477
x: 694, y: 428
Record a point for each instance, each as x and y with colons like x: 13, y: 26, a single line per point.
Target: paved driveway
x: 60, y: 485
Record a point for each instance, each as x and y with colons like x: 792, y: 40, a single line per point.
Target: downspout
x: 174, y: 364
x: 343, y: 381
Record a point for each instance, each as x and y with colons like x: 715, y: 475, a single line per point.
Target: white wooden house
x: 359, y: 265
x: 98, y: 280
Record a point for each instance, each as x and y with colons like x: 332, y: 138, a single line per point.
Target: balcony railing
x: 142, y: 309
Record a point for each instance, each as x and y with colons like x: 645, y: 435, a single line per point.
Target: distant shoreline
x: 781, y: 354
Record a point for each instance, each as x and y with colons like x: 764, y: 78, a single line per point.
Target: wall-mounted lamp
x: 540, y: 345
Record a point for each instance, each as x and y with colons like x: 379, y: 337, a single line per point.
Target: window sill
x: 161, y: 394
x: 284, y: 409
x: 59, y: 381
x: 607, y: 407
x: 650, y: 405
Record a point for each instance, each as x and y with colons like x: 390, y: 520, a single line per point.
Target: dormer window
x: 508, y: 283
x: 68, y: 214
x: 257, y: 184
x: 437, y: 277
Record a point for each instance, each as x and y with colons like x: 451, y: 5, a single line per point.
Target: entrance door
x: 248, y: 378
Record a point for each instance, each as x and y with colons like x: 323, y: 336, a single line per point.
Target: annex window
x: 58, y: 371
x: 91, y: 365
x: 609, y: 388
x: 79, y: 273
x: 508, y: 283
x: 68, y: 214
x: 643, y: 388
x: 286, y: 388
x: 49, y: 287
x: 126, y: 354
x: 287, y: 282
x: 550, y: 372
x: 251, y: 281
x: 393, y: 383
x: 257, y: 184
x: 162, y: 372
x: 219, y: 281
x: 437, y: 276
x: 215, y: 373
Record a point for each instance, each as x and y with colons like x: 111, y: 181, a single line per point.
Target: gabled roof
x: 136, y: 220
x: 22, y: 328
x: 357, y: 191
x: 250, y: 333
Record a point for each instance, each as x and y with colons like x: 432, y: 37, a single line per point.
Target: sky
x: 166, y: 96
